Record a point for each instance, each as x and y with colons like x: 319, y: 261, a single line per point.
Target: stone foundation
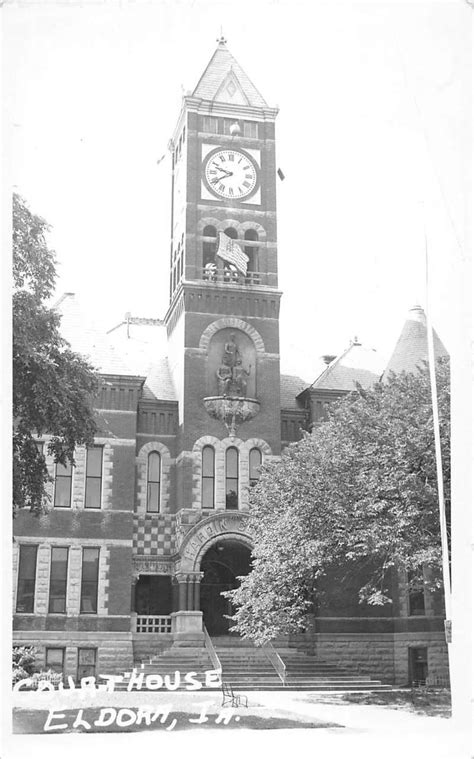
x: 384, y: 656
x: 114, y: 650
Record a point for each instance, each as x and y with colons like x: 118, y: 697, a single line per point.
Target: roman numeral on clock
x: 231, y: 192
x: 231, y: 156
x: 246, y: 184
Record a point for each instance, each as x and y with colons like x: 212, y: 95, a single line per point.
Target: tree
x: 53, y: 387
x: 359, y: 491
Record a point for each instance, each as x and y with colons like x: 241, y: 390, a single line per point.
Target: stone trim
x: 206, y: 221
x: 220, y: 448
x: 152, y: 565
x: 74, y: 574
x: 103, y: 589
x: 78, y: 484
x: 112, y: 441
x: 54, y: 541
x: 241, y: 227
x: 142, y: 465
x: 262, y: 235
x: 404, y: 595
x: 228, y: 525
x: 232, y: 322
x: 43, y: 569
x: 74, y: 580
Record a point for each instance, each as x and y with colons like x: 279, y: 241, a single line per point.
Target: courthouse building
x: 151, y: 523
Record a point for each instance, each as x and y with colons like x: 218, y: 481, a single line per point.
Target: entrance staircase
x: 246, y: 667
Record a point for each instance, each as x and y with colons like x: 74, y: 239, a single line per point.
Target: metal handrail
x: 212, y: 652
x: 276, y: 660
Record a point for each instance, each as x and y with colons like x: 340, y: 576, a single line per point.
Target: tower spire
x: 221, y: 40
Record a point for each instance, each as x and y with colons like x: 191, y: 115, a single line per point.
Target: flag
x: 231, y: 252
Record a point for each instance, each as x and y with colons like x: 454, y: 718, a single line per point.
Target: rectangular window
x: 25, y: 599
x: 232, y: 478
x: 250, y: 129
x: 63, y: 485
x: 208, y: 469
x: 58, y: 581
x: 55, y: 659
x: 86, y: 661
x: 90, y: 580
x: 416, y: 599
x: 209, y: 124
x: 153, y: 482
x: 40, y: 447
x: 94, y: 477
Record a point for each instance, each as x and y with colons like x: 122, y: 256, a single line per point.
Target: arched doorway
x: 222, y: 563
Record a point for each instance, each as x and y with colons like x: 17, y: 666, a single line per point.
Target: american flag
x: 231, y: 252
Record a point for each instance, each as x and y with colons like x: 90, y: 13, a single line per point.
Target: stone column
x: 197, y: 590
x: 182, y: 591
x: 190, y: 593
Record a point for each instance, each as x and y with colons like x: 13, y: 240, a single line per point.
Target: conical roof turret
x: 411, y: 349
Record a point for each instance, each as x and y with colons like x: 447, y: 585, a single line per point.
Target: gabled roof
x: 356, y: 365
x: 290, y: 387
x: 135, y: 348
x: 411, y: 349
x: 225, y: 81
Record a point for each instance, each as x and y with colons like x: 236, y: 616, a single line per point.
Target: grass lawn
x: 431, y: 703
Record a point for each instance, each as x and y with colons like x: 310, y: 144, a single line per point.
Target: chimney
x: 328, y: 358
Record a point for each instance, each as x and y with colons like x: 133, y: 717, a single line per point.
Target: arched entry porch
x: 223, y: 562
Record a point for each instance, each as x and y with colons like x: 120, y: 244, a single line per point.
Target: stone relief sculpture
x: 235, y: 381
x: 231, y: 375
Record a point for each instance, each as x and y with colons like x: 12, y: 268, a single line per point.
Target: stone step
x: 276, y: 686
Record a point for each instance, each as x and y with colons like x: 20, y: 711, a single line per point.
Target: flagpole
x: 439, y: 465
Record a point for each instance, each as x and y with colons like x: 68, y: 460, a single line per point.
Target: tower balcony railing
x: 229, y: 277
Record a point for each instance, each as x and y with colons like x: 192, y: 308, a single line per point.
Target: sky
x: 372, y: 137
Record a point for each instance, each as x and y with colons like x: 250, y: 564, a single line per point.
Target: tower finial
x: 221, y: 40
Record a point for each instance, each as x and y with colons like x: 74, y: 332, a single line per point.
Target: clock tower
x: 222, y: 320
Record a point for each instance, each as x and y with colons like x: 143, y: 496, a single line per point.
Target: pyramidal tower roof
x: 225, y: 81
x: 412, y: 346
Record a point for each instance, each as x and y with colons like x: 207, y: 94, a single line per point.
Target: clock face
x: 230, y: 174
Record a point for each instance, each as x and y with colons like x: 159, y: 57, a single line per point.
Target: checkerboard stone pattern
x: 154, y: 534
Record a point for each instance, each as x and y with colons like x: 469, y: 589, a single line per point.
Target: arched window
x: 255, y: 462
x: 231, y: 232
x: 251, y: 250
x: 232, y: 478
x: 209, y: 234
x: 208, y: 469
x: 153, y: 482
